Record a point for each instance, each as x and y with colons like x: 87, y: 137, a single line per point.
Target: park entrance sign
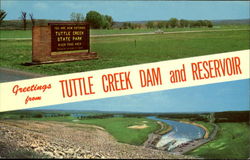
x: 61, y: 42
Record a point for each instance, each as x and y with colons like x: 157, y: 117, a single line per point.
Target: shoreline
x: 206, y: 135
x: 155, y: 137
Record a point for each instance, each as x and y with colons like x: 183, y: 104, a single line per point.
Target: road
x: 7, y: 75
x: 138, y: 34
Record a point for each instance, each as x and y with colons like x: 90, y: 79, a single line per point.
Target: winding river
x: 181, y: 134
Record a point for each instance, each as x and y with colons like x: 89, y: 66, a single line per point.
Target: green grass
x: 208, y: 125
x: 232, y: 142
x: 122, y: 51
x: 118, y: 127
x: 15, y: 34
x: 28, y: 33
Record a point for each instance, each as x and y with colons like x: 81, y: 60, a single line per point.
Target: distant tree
x: 184, y: 23
x: 95, y: 19
x: 125, y: 25
x: 173, y: 22
x: 198, y: 23
x: 138, y: 25
x: 109, y: 20
x: 2, y: 15
x: 76, y: 17
x: 24, y: 19
x: 209, y: 24
x: 160, y: 24
x: 32, y: 19
x: 166, y: 24
x: 150, y: 24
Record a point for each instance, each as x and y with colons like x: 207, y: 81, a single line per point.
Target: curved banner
x: 127, y: 80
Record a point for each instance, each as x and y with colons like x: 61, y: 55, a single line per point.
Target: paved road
x: 136, y: 34
x: 7, y: 75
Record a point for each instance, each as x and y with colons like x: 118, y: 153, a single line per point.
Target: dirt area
x: 67, y: 140
x: 139, y: 126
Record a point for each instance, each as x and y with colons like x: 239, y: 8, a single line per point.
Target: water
x: 79, y: 115
x: 181, y: 133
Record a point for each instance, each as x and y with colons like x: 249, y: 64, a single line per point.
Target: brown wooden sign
x: 61, y: 42
x: 69, y: 37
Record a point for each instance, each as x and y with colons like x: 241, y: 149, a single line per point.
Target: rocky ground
x: 68, y: 140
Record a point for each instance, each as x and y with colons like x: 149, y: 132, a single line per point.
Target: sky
x: 226, y: 96
x: 129, y: 10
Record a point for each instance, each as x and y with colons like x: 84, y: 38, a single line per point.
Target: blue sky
x: 227, y: 96
x: 130, y: 10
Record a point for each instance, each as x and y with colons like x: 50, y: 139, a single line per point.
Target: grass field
x: 232, y: 142
x: 118, y: 127
x: 122, y: 51
x: 28, y: 33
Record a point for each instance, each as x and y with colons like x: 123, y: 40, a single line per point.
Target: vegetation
x: 24, y: 19
x: 77, y: 17
x: 232, y: 142
x: 32, y: 19
x: 98, y: 21
x: 118, y: 127
x: 121, y: 51
x: 175, y: 23
x: 232, y: 116
x: 190, y: 116
x: 2, y: 15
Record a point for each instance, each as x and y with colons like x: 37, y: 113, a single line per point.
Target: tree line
x: 182, y: 23
x: 100, y: 21
x: 95, y: 19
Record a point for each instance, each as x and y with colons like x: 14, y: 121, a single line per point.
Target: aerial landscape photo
x: 208, y: 121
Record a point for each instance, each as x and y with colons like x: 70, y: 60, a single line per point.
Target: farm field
x: 232, y: 142
x: 129, y: 50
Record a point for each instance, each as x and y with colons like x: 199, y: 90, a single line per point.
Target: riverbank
x: 206, y: 135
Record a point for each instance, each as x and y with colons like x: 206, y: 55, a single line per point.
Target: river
x: 181, y: 134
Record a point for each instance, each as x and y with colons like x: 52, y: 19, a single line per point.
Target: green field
x: 28, y: 33
x: 122, y: 51
x: 118, y: 127
x: 232, y: 142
